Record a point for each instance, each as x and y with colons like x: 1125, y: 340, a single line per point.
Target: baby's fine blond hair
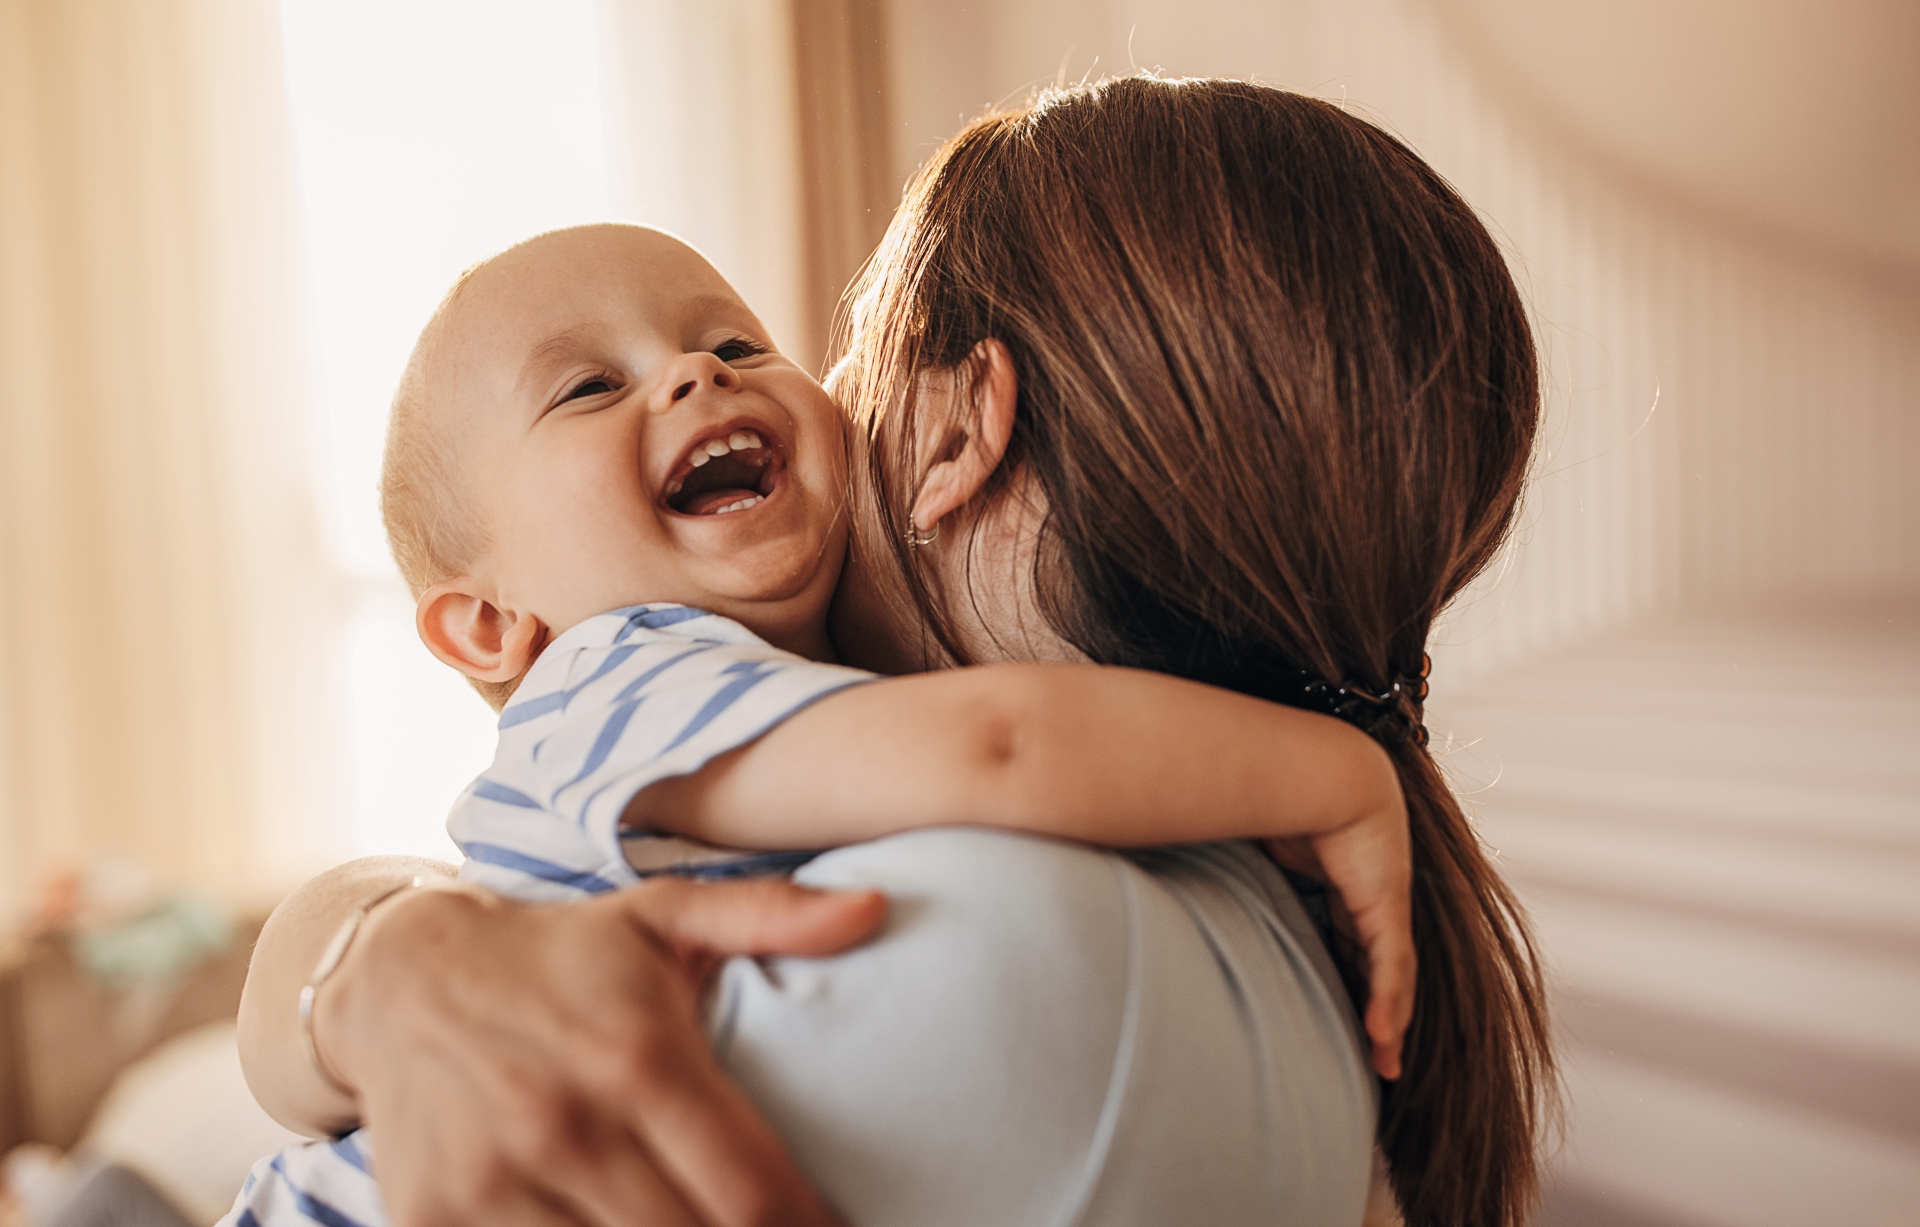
x: 433, y: 526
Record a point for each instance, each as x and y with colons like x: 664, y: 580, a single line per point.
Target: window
x: 430, y: 134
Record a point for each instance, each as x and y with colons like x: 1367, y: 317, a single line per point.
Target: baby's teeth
x: 739, y: 440
x: 674, y: 487
x: 742, y: 505
x: 699, y: 458
x: 717, y: 447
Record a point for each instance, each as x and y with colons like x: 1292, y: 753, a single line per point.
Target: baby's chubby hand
x: 1368, y: 863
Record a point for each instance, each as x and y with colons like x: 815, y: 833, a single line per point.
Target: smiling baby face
x: 622, y: 429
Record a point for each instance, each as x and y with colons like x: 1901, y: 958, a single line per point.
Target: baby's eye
x: 736, y: 349
x: 592, y: 387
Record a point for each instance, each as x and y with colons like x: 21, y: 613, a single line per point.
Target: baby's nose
x: 688, y: 374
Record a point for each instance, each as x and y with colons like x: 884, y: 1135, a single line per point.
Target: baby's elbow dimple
x: 999, y: 745
x: 992, y: 752
x: 1005, y: 792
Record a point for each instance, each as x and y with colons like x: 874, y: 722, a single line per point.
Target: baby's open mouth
x: 730, y: 472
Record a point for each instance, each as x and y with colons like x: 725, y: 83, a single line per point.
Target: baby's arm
x: 1099, y: 754
x: 1105, y: 755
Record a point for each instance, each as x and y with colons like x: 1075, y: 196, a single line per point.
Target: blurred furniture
x: 63, y: 1036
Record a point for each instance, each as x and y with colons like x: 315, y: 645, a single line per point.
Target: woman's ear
x: 475, y: 636
x: 969, y: 457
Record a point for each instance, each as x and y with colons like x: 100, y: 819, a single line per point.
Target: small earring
x: 916, y: 538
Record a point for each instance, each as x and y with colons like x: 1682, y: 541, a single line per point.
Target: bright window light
x: 431, y: 134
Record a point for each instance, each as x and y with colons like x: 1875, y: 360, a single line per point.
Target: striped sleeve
x: 615, y: 704
x: 329, y: 1183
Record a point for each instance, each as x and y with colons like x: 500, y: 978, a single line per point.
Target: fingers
x: 525, y: 1152
x: 442, y: 1198
x: 704, y: 1135
x: 1387, y: 1020
x: 618, y: 1187
x: 1392, y: 971
x: 587, y: 1098
x: 1370, y: 867
x: 708, y: 1138
x: 516, y: 1204
x: 754, y: 918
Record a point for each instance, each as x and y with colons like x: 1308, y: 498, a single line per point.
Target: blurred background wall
x: 1714, y: 207
x: 1683, y: 702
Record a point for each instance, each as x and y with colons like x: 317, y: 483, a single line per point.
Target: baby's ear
x: 475, y: 636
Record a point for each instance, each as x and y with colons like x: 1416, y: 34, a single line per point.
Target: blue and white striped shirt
x: 621, y: 701
x: 330, y: 1183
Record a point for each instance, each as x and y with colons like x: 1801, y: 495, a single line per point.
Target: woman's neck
x: 982, y: 566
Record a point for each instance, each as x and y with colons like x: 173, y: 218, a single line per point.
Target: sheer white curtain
x: 163, y: 595
x: 433, y: 133
x: 429, y: 135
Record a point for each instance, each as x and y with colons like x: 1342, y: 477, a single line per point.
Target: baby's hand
x: 1369, y: 865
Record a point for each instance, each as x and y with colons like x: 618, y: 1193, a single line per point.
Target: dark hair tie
x: 1398, y: 714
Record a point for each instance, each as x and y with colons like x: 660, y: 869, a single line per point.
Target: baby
x: 623, y: 512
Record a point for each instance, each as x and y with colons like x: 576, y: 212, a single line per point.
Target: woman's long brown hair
x: 1280, y: 394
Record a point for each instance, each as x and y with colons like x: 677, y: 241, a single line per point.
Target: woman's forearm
x: 1112, y: 756
x: 278, y: 1070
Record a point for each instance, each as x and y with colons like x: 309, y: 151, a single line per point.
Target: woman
x: 1201, y: 377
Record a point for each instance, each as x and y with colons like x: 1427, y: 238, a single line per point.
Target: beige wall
x: 1782, y: 367
x: 1799, y: 119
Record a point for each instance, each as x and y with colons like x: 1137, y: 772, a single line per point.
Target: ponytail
x: 1460, y: 1127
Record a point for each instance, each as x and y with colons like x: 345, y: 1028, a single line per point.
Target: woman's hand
x: 548, y: 1064
x: 1368, y: 863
